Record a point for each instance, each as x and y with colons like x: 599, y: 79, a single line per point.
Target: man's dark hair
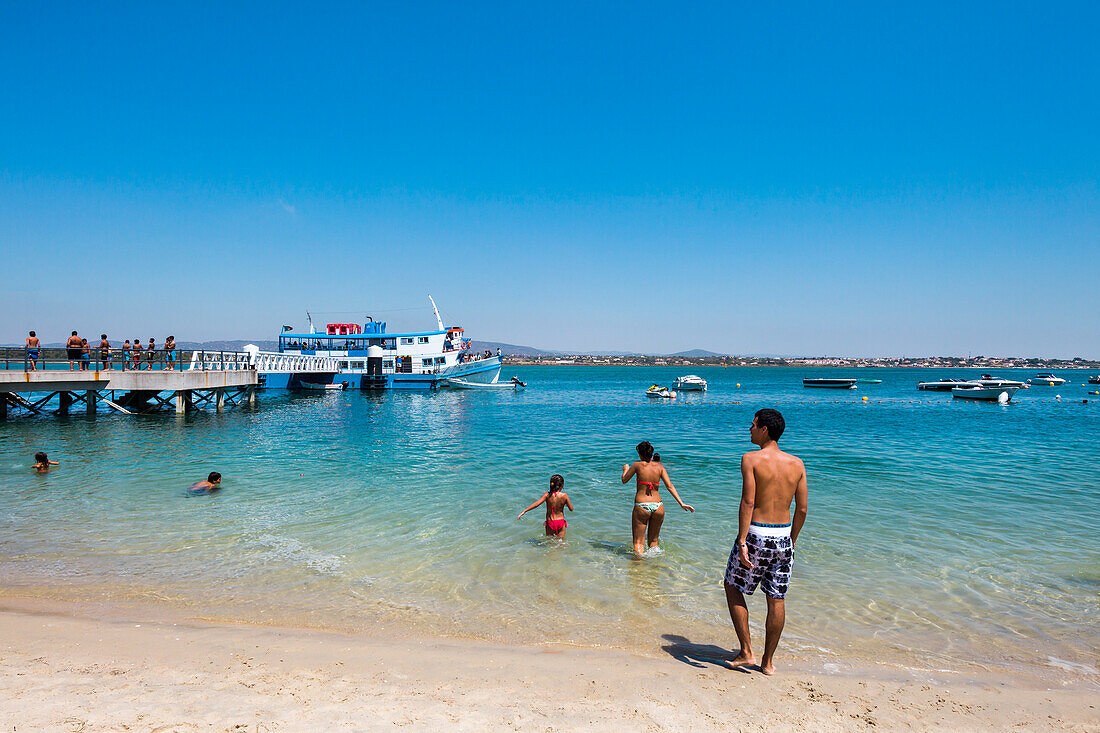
x: 214, y: 477
x: 772, y: 420
x: 74, y: 333
x: 40, y: 457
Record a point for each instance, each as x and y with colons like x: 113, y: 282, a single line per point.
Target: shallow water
x: 941, y: 533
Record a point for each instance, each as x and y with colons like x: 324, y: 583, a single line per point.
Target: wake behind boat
x: 457, y: 383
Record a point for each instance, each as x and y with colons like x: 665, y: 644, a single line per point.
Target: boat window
x: 406, y: 341
x: 387, y: 364
x: 389, y: 344
x: 422, y: 340
x: 343, y: 365
x: 357, y: 365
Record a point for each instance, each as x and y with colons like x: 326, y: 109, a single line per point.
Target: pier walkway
x: 206, y: 378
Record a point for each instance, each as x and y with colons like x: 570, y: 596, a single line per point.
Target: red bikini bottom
x: 555, y: 525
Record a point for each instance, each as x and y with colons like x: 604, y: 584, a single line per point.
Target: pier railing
x: 19, y: 358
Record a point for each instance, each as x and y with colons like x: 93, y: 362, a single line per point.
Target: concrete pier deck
x: 57, y: 380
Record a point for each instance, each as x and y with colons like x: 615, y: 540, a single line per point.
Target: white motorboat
x: 991, y: 381
x: 457, y: 383
x: 690, y: 382
x: 1046, y: 379
x: 315, y: 385
x: 986, y: 394
x: 945, y: 385
x: 657, y: 392
x: 830, y: 383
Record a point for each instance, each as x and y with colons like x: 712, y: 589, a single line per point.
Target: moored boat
x: 986, y: 394
x: 316, y: 385
x: 658, y: 392
x: 369, y: 357
x: 988, y: 380
x: 690, y: 382
x: 945, y: 385
x: 1094, y: 379
x: 830, y: 383
x: 1046, y: 379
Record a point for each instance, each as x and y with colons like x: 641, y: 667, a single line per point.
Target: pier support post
x: 220, y: 399
x: 181, y: 401
x: 89, y: 402
x: 65, y: 400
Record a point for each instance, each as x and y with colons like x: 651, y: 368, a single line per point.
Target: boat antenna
x: 437, y: 318
x: 310, y: 318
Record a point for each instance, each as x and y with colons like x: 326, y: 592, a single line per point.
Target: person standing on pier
x: 135, y: 352
x: 85, y: 355
x: 125, y: 354
x: 170, y: 351
x: 32, y: 351
x: 151, y: 353
x: 105, y: 351
x: 72, y: 350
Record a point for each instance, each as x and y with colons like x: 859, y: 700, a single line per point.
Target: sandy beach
x: 75, y: 673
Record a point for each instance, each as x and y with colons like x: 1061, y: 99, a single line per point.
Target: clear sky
x: 820, y: 178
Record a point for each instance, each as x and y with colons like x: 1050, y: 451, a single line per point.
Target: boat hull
x: 829, y: 383
x: 482, y: 371
x: 985, y: 394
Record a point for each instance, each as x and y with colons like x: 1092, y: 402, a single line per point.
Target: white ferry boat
x: 371, y: 358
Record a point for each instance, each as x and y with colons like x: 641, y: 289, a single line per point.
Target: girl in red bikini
x: 556, y: 501
x: 649, y: 510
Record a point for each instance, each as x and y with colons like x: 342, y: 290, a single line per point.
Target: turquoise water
x: 942, y: 534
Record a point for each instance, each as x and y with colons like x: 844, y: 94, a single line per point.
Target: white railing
x: 261, y: 361
x: 273, y: 361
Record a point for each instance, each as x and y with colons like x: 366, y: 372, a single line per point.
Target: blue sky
x: 810, y: 179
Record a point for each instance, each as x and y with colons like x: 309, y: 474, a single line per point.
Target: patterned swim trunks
x: 772, y: 559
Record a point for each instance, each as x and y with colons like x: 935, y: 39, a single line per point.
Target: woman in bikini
x: 556, y: 501
x: 649, y: 510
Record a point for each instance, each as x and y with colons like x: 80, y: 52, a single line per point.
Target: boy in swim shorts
x: 556, y: 500
x: 210, y: 485
x: 764, y: 551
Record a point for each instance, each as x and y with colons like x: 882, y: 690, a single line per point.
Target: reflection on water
x: 937, y: 528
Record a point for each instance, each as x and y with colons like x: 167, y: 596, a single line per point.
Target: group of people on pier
x: 80, y: 355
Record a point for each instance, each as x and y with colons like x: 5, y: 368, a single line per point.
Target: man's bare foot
x: 743, y: 660
x: 768, y: 669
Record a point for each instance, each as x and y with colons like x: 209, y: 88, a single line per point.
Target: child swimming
x: 42, y: 463
x: 210, y: 485
x: 556, y: 501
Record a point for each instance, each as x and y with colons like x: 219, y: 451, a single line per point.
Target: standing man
x: 105, y: 351
x: 764, y: 552
x: 73, y: 348
x: 32, y: 351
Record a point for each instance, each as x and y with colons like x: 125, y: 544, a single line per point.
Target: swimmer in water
x: 649, y: 510
x: 212, y: 483
x: 556, y: 501
x: 42, y: 463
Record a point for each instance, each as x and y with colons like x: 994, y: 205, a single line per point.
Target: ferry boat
x: 371, y: 358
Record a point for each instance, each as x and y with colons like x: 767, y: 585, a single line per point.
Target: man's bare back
x: 777, y: 476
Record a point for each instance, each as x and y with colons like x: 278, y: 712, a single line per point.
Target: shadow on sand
x: 699, y: 655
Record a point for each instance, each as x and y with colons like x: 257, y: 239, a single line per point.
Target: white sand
x: 61, y: 673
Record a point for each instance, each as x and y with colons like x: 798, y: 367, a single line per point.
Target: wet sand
x: 74, y: 673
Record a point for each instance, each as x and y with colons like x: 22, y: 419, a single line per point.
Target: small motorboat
x: 991, y: 381
x: 945, y: 385
x: 1046, y: 379
x: 830, y: 383
x: 869, y: 381
x: 658, y: 392
x: 690, y: 382
x: 317, y: 385
x: 458, y: 383
x: 986, y: 394
x: 1095, y: 379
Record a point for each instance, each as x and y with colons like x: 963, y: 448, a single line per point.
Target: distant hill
x: 697, y: 353
x: 511, y: 349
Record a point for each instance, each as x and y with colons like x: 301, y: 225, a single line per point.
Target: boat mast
x: 437, y: 318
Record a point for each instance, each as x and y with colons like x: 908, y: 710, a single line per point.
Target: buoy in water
x: 864, y: 399
x: 738, y: 384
